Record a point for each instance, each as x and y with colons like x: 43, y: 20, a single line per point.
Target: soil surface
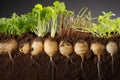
x: 41, y: 68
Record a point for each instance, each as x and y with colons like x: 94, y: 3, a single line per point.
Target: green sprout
x: 10, y: 25
x: 40, y: 14
x: 106, y: 26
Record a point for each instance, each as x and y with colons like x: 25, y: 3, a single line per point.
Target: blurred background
x: 7, y: 7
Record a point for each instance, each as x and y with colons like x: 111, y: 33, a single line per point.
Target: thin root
x: 98, y: 67
x: 10, y: 56
x: 54, y: 67
x: 11, y: 59
x: 112, y: 63
x: 82, y: 64
x: 31, y: 58
x: 71, y: 60
x: 81, y: 67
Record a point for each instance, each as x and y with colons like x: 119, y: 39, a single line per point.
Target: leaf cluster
x: 106, y: 25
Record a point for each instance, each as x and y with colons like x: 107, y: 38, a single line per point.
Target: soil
x: 41, y: 68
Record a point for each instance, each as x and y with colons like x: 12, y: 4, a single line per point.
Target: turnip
x: 112, y: 48
x: 81, y: 47
x: 9, y: 47
x: 98, y: 49
x: 66, y: 49
x: 37, y: 47
x: 25, y: 48
x: 51, y: 48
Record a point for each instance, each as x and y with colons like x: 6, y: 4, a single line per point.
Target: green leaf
x: 59, y: 6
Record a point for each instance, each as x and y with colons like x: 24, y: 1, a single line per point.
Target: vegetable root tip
x: 10, y: 56
x: 98, y: 67
x: 112, y: 63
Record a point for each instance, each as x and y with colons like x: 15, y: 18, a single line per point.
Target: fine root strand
x: 54, y: 67
x: 98, y: 67
x: 33, y: 60
x: 71, y: 61
x: 9, y: 53
x: 112, y: 63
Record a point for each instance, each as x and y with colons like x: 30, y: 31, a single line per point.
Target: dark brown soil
x: 40, y: 67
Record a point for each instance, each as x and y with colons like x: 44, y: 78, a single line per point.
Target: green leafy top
x: 12, y: 25
x: 59, y: 6
x: 47, y: 18
x: 39, y: 21
x: 106, y: 26
x: 53, y: 18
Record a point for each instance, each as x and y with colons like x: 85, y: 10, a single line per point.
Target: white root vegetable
x: 112, y: 48
x: 81, y: 47
x: 25, y: 48
x: 98, y: 49
x: 37, y: 47
x: 51, y: 48
x: 9, y: 47
x: 66, y: 49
